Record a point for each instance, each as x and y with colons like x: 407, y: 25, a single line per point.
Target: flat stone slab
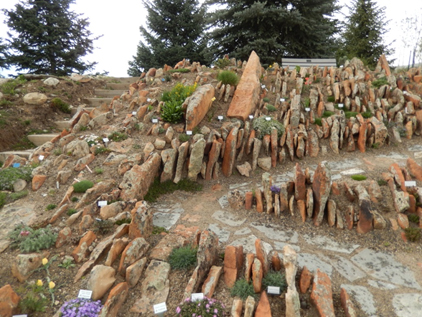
x: 165, y: 219
x: 242, y: 232
x: 385, y: 267
x: 362, y: 297
x: 176, y: 208
x: 393, y: 156
x: 346, y: 268
x: 407, y: 305
x: 249, y: 244
x: 276, y: 234
x: 352, y: 171
x: 223, y: 235
x: 279, y: 246
x: 312, y: 262
x: 381, y: 285
x: 282, y: 178
x: 243, y: 186
x: 343, y: 164
x: 228, y: 218
x: 415, y: 148
x: 224, y: 203
x: 417, y: 155
x: 326, y: 243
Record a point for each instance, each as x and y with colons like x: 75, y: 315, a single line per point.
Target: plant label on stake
x: 307, y: 109
x: 220, y: 118
x: 160, y: 309
x: 410, y: 183
x: 102, y: 203
x: 84, y: 293
x: 188, y: 132
x: 268, y: 118
x: 250, y: 117
x: 282, y: 99
x: 273, y: 290
x: 106, y: 140
x: 133, y: 113
x: 340, y: 105
x: 41, y: 157
x: 197, y: 296
x: 262, y: 86
x: 154, y: 120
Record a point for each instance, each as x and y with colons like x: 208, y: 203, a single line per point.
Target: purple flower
x: 275, y: 189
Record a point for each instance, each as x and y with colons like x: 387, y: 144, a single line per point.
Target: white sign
x: 307, y: 109
x: 188, y: 132
x: 262, y: 86
x: 148, y: 100
x: 105, y: 140
x: 154, y: 120
x: 268, y: 118
x: 410, y: 183
x: 133, y: 113
x: 41, y: 157
x: 160, y: 308
x: 197, y: 296
x: 84, y: 293
x: 282, y: 99
x: 340, y: 105
x: 250, y: 116
x: 405, y: 110
x: 102, y: 203
x: 19, y: 315
x: 220, y: 118
x: 273, y: 290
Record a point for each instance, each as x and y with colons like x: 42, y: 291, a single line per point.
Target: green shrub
x: 358, y: 177
x: 98, y: 170
x: 122, y: 221
x: 82, y: 186
x: 10, y: 175
x: 59, y: 104
x: 103, y: 226
x: 413, y: 218
x: 158, y: 230
x: 33, y: 303
x: 349, y: 114
x: 331, y: 99
x: 182, y: 258
x: 118, y: 136
x: 172, y: 110
x: 266, y: 99
x: 18, y: 195
x: 318, y: 121
x: 367, y: 114
x: 242, y: 289
x: 101, y: 150
x: 32, y: 240
x: 71, y: 211
x: 382, y: 182
x: 265, y: 126
x: 228, y: 77
x: 271, y: 108
x: 74, y: 199
x: 327, y: 114
x: 3, y: 197
x: 180, y: 70
x: 274, y: 278
x: 222, y: 63
x: 8, y: 88
x: 380, y: 82
x: 412, y: 234
x: 184, y: 137
x: 157, y: 188
x: 207, y: 307
x: 50, y: 207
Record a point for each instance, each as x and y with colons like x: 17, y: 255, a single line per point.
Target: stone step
x: 117, y: 86
x: 62, y: 124
x: 74, y: 110
x: 5, y: 154
x: 108, y: 93
x: 95, y: 102
x: 40, y: 139
x: 122, y: 80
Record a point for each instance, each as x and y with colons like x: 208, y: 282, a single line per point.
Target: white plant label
x: 282, y: 99
x: 410, y: 183
x: 307, y: 109
x: 340, y: 105
x: 19, y: 315
x: 197, y: 296
x: 262, y: 86
x: 102, y: 203
x: 268, y: 118
x: 405, y: 110
x: 105, y: 140
x: 160, y: 308
x: 133, y: 113
x: 220, y: 118
x: 154, y: 120
x: 273, y: 290
x: 84, y: 293
x: 188, y: 132
x: 148, y: 100
x: 41, y: 157
x: 251, y: 117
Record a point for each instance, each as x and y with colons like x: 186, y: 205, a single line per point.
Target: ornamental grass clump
x: 228, y: 77
x: 80, y: 307
x: 82, y: 186
x: 265, y: 126
x: 172, y: 110
x: 274, y: 278
x: 242, y: 289
x: 207, y: 307
x: 183, y: 258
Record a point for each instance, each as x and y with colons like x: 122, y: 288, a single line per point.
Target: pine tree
x: 174, y: 32
x: 363, y: 34
x: 274, y: 29
x: 47, y: 38
x: 2, y: 54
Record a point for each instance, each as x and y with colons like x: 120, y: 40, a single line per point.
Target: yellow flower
x: 213, y: 98
x: 44, y: 261
x: 51, y: 285
x: 39, y: 283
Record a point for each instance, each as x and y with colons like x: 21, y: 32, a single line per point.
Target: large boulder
x: 199, y: 104
x: 35, y: 98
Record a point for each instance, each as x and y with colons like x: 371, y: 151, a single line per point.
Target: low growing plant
x: 118, y: 136
x: 103, y: 226
x: 274, y: 278
x: 9, y: 176
x: 179, y: 70
x: 50, y: 207
x: 71, y: 211
x: 242, y: 289
x: 59, y: 104
x: 157, y: 188
x: 382, y: 182
x: 29, y: 240
x: 412, y: 234
x: 33, y: 300
x: 81, y: 307
x: 265, y: 126
x: 207, y: 307
x: 182, y: 258
x: 158, y: 230
x: 318, y: 121
x: 82, y: 186
x: 184, y: 137
x: 413, y: 218
x: 228, y: 77
x: 327, y: 114
x: 124, y: 220
x: 271, y: 108
x: 380, y: 82
x: 222, y: 63
x: 358, y: 177
x: 172, y: 110
x: 266, y: 99
x: 18, y: 195
x: 3, y: 197
x: 331, y: 99
x: 66, y: 264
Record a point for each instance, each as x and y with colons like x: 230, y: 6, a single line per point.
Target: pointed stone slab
x: 362, y: 297
x: 407, y: 305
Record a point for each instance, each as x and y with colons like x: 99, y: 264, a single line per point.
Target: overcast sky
x: 119, y: 23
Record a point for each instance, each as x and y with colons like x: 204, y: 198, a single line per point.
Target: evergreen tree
x: 363, y: 34
x: 174, y: 32
x: 273, y: 28
x: 47, y: 38
x: 2, y: 54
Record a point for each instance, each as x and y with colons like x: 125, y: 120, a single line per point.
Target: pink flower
x: 178, y: 310
x: 24, y: 233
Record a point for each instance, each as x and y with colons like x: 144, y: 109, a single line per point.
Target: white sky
x: 119, y: 22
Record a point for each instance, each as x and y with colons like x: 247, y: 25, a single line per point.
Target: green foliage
x: 222, y: 63
x: 349, y: 114
x: 207, y: 307
x: 157, y: 188
x: 10, y: 175
x: 33, y: 300
x: 32, y: 240
x: 71, y: 211
x: 271, y: 108
x: 265, y: 126
x: 159, y: 230
x: 184, y: 137
x: 122, y: 221
x: 3, y: 197
x: 363, y: 33
x: 74, y: 199
x: 367, y: 114
x: 380, y: 82
x: 57, y: 152
x: 375, y: 145
x: 103, y: 226
x: 66, y: 264
x: 18, y: 195
x: 228, y: 77
x: 182, y: 258
x: 172, y: 110
x: 266, y: 99
x: 100, y: 150
x: 327, y: 114
x: 413, y: 218
x: 179, y: 70
x: 59, y: 104
x: 382, y: 182
x: 50, y: 207
x: 318, y: 121
x: 242, y: 289
x: 174, y: 31
x: 9, y: 87
x: 331, y: 99
x: 83, y: 128
x: 82, y: 186
x: 358, y: 177
x: 47, y: 38
x: 274, y: 278
x: 98, y: 170
x: 412, y: 234
x: 118, y: 136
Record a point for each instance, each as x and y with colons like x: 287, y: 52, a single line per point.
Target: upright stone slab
x: 322, y: 294
x: 195, y: 160
x: 321, y: 189
x: 183, y: 152
x: 230, y: 152
x: 246, y: 96
x: 199, y: 104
